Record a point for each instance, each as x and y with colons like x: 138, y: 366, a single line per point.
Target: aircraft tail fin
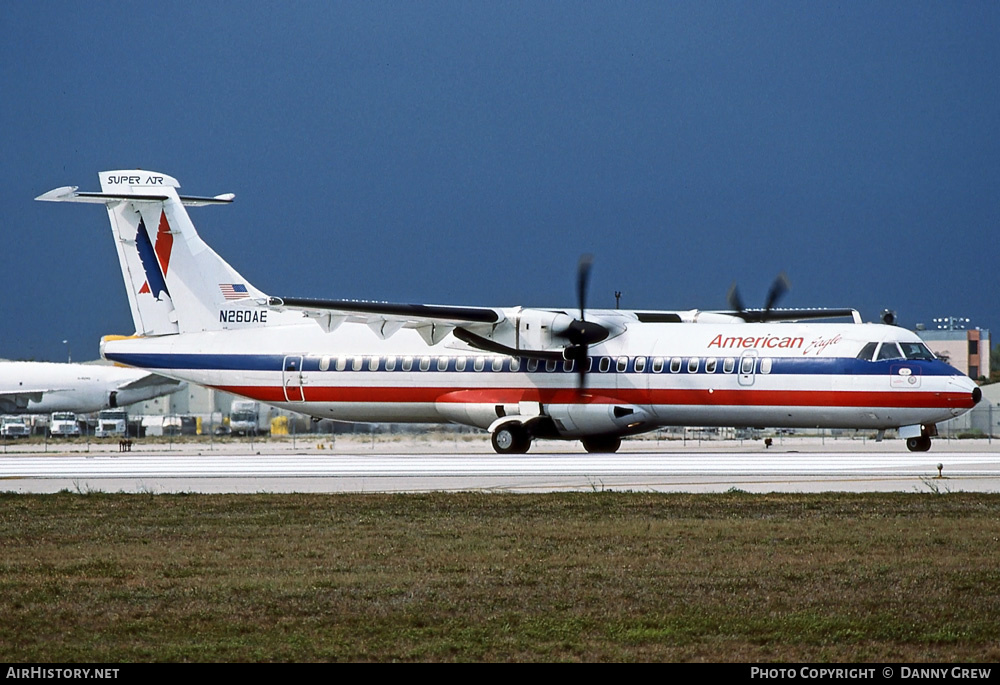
x: 175, y: 282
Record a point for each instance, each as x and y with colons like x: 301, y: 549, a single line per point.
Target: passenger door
x: 292, y: 379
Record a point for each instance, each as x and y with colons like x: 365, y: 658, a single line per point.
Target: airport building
x: 966, y: 348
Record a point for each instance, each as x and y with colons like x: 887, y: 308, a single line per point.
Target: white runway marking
x: 674, y: 471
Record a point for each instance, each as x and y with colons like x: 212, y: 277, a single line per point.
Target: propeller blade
x: 778, y: 289
x: 581, y: 333
x: 582, y: 279
x: 578, y: 353
x: 734, y: 299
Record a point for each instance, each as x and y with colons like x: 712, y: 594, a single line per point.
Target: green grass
x: 443, y: 577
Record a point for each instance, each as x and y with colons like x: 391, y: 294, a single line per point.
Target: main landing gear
x: 602, y: 444
x: 513, y: 438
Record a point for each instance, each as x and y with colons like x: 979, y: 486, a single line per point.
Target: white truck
x: 244, y: 418
x: 111, y: 423
x: 13, y: 427
x: 63, y: 424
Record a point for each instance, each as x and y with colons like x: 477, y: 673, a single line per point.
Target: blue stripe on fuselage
x: 779, y: 365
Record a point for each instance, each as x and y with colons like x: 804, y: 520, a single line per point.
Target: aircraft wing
x: 745, y: 315
x: 433, y: 322
x: 14, y: 400
x: 789, y: 315
x: 148, y: 380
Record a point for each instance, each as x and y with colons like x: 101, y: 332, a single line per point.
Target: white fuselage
x: 655, y: 374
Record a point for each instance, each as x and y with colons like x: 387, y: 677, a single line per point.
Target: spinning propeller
x: 780, y: 286
x: 581, y: 333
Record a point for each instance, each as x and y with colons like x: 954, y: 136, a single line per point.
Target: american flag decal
x: 234, y: 291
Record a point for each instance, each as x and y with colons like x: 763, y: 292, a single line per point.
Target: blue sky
x: 469, y: 152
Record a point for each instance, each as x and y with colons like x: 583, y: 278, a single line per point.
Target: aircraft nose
x: 968, y: 393
x: 963, y: 393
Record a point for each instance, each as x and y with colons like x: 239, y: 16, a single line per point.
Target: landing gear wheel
x: 921, y: 444
x: 511, y: 438
x: 603, y: 444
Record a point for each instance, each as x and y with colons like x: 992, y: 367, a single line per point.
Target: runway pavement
x: 363, y: 465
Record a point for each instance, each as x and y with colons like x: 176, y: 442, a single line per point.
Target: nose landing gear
x: 921, y: 444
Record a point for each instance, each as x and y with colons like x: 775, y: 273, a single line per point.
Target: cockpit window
x: 867, y: 352
x: 889, y: 350
x: 915, y: 350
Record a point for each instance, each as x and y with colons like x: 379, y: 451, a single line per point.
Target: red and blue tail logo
x: 155, y: 260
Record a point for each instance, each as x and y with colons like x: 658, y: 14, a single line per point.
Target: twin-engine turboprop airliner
x: 519, y: 373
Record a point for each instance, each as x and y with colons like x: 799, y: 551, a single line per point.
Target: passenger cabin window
x: 605, y: 364
x: 765, y: 365
x: 640, y: 364
x: 425, y: 363
x: 373, y: 363
x: 460, y: 364
x: 442, y: 363
x: 657, y: 364
x: 889, y: 350
x: 711, y: 365
x: 479, y: 364
x: 390, y: 363
x: 622, y: 364
x: 357, y: 363
x: 867, y: 352
x: 498, y: 363
x: 407, y: 363
x: 693, y: 364
x: 675, y: 364
x: 728, y: 365
x: 324, y: 364
x: 746, y: 364
x: 569, y: 365
x: 515, y: 364
x: 550, y: 365
x: 341, y: 363
x: 532, y: 365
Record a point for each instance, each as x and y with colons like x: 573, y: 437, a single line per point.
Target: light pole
x: 69, y: 354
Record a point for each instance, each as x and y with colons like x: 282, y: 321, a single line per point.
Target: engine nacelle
x: 542, y: 330
x: 581, y: 420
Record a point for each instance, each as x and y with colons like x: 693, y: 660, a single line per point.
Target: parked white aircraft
x: 519, y: 373
x: 44, y: 387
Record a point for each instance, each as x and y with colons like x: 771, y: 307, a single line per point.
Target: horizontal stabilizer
x: 72, y: 194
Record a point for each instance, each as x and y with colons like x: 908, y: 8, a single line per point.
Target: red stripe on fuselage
x: 749, y: 398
